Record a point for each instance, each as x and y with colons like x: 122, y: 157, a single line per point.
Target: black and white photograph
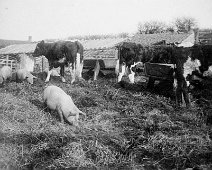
x: 105, y: 85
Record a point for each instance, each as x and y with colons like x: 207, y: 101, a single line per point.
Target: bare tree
x: 185, y: 24
x: 151, y: 27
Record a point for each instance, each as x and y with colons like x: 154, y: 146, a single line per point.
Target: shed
x: 20, y: 56
x: 102, y: 50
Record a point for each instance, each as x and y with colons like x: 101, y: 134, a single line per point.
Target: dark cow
x: 184, y: 61
x: 204, y: 54
x: 61, y: 54
x: 128, y: 58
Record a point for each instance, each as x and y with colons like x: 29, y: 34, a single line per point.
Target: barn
x: 18, y: 56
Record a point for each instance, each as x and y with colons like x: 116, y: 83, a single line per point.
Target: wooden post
x: 96, y: 70
x: 117, y: 62
x: 7, y: 58
x: 16, y: 65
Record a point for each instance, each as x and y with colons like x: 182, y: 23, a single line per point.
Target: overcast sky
x: 62, y: 18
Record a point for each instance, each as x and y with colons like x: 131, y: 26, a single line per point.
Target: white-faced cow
x: 128, y: 59
x: 61, y: 54
x: 184, y: 63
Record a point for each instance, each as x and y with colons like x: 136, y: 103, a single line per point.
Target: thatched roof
x: 102, y: 43
x: 18, y: 49
x: 88, y: 45
x: 108, y: 43
x: 150, y: 39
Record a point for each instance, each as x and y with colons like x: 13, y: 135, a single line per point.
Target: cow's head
x: 191, y: 65
x: 197, y: 53
x: 40, y: 49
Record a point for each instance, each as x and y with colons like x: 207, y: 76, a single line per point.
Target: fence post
x: 7, y: 58
x: 16, y: 65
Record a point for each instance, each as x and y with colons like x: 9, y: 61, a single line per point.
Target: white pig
x: 23, y: 74
x: 5, y: 73
x: 56, y: 99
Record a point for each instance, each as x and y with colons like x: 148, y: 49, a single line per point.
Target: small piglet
x: 56, y: 99
x: 5, y: 73
x: 23, y: 74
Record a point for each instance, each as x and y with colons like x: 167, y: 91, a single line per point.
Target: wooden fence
x: 41, y: 63
x: 5, y: 61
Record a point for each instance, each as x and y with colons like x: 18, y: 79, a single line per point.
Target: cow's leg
x: 80, y: 70
x: 123, y: 69
x: 49, y: 74
x: 178, y: 97
x: 96, y: 70
x: 72, y: 68
x: 62, y: 73
x: 131, y: 76
x: 185, y: 94
x: 179, y: 92
x: 78, y: 66
x: 151, y: 82
x: 117, y: 67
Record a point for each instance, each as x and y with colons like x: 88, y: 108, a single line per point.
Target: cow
x: 61, y: 54
x: 184, y: 62
x: 128, y: 58
x: 204, y: 54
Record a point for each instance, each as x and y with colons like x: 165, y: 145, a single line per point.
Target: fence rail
x: 6, y: 62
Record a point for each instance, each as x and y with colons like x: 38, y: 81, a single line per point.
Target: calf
x: 56, y: 99
x: 61, y: 54
x: 5, y: 73
x: 184, y: 62
x: 128, y: 59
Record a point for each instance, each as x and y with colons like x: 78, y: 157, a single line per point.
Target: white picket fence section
x: 7, y: 62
